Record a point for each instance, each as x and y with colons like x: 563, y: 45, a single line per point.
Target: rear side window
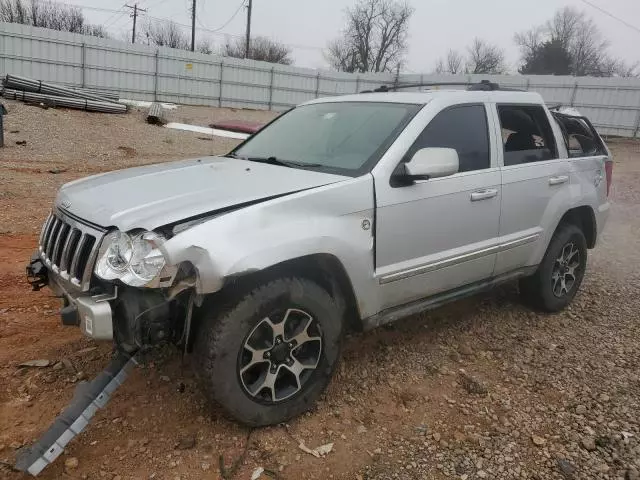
x: 526, y: 134
x: 579, y: 137
x: 463, y: 128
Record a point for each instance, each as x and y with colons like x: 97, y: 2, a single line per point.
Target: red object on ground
x: 238, y: 126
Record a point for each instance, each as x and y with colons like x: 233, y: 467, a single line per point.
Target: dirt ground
x: 483, y: 388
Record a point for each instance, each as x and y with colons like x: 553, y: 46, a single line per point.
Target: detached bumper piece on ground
x: 88, y: 398
x: 37, y: 91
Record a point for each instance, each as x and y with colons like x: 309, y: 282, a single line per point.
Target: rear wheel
x: 560, y: 273
x: 269, y: 355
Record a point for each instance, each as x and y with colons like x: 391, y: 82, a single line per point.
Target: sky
x: 436, y: 26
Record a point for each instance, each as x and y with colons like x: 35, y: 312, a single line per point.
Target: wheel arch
x: 584, y: 218
x: 323, y: 268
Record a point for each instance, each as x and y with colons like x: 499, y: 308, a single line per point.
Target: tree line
x: 67, y: 18
x: 375, y: 39
x: 169, y: 34
x: 49, y: 15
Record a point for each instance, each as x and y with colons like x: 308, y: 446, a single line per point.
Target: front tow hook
x: 87, y: 399
x: 37, y: 273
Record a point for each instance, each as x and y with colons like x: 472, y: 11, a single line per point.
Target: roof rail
x: 483, y: 85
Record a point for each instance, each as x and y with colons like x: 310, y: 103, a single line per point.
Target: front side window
x: 526, y: 134
x: 343, y: 137
x: 463, y: 128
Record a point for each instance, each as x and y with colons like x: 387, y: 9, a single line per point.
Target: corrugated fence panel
x: 612, y: 104
x: 149, y: 73
x: 188, y: 78
x: 246, y: 83
x: 554, y: 90
x: 43, y: 56
x: 292, y: 86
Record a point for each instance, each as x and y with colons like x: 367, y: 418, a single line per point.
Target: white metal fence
x: 148, y: 73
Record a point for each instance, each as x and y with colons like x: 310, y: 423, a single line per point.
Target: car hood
x: 155, y: 195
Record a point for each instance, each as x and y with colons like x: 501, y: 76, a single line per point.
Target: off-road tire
x: 223, y: 330
x: 537, y: 290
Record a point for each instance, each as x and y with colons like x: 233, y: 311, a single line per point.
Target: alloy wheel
x: 279, y: 355
x: 565, y: 270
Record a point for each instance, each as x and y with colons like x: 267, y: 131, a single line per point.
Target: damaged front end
x: 114, y: 286
x: 135, y: 318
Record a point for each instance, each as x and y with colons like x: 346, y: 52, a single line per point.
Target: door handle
x: 559, y: 180
x: 484, y: 194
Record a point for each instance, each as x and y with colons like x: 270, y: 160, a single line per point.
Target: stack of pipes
x: 37, y: 91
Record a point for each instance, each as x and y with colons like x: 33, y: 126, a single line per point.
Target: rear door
x: 536, y: 184
x: 591, y: 164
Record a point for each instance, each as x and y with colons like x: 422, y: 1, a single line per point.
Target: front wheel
x: 560, y: 273
x: 268, y: 356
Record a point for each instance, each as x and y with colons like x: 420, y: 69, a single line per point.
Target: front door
x: 439, y: 234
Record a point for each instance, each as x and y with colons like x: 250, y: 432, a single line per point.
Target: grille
x: 66, y: 248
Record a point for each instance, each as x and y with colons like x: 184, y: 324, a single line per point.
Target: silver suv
x: 346, y: 212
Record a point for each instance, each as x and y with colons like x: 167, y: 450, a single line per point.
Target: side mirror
x: 432, y: 163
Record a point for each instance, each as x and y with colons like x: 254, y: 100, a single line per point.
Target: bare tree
x: 452, y: 64
x: 485, y: 58
x: 167, y: 35
x: 613, y: 67
x: 261, y: 48
x: 51, y: 15
x: 95, y: 31
x: 582, y: 43
x: 375, y: 38
x: 14, y: 11
x: 564, y: 25
x: 205, y: 46
x: 530, y: 41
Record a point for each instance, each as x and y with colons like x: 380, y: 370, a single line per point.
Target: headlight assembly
x: 133, y: 259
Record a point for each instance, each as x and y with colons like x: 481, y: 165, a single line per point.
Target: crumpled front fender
x: 335, y: 219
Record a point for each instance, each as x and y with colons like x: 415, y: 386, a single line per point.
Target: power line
x: 169, y: 20
x: 113, y: 18
x: 157, y: 3
x: 609, y: 14
x: 228, y: 21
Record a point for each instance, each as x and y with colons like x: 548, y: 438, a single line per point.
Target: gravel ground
x: 482, y: 388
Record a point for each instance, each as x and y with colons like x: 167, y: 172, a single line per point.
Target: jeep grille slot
x: 67, y: 248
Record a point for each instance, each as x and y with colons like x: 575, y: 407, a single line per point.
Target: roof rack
x: 483, y: 85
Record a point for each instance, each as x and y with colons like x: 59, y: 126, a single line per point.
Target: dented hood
x: 155, y: 195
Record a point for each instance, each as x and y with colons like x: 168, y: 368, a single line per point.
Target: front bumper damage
x: 134, y: 319
x: 88, y: 398
x: 92, y: 313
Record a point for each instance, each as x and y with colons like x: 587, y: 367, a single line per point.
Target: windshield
x: 343, y: 137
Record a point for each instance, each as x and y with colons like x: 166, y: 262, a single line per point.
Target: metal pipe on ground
x: 16, y: 82
x: 66, y: 102
x: 112, y: 97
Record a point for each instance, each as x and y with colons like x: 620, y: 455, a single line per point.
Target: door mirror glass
x: 432, y: 163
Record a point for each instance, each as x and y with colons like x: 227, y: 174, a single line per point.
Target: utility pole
x: 248, y: 41
x: 136, y: 11
x: 193, y: 26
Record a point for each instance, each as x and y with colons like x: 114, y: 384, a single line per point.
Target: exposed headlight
x: 119, y: 253
x: 135, y: 260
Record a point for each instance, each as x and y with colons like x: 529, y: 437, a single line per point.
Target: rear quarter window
x: 579, y: 137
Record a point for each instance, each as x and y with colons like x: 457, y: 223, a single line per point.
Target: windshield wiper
x: 282, y: 163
